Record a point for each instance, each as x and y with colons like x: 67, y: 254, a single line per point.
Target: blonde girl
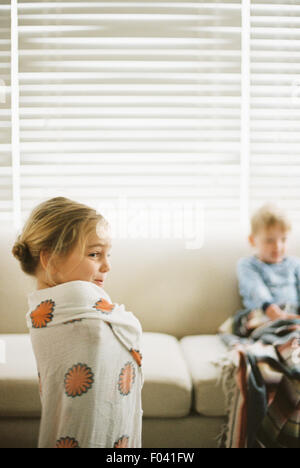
x: 87, y: 349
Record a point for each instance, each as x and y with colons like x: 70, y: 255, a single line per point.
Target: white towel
x: 88, y: 354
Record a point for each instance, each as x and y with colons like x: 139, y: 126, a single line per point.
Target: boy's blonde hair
x: 55, y: 226
x: 267, y: 216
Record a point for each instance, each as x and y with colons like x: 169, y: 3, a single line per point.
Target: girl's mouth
x: 99, y: 282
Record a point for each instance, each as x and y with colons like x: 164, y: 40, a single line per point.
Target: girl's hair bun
x: 21, y: 251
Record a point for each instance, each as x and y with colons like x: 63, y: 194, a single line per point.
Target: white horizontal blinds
x: 6, y: 205
x: 137, y: 99
x: 275, y: 104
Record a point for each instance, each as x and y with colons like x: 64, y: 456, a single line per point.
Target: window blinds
x: 6, y: 205
x: 143, y: 101
x: 275, y: 104
x: 131, y: 99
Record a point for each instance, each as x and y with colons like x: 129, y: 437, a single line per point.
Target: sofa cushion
x: 19, y: 388
x: 167, y: 390
x: 201, y: 352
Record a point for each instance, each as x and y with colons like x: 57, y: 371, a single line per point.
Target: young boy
x: 270, y: 280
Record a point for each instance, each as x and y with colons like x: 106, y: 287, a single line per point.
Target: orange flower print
x: 126, y: 378
x: 137, y: 356
x: 43, y: 314
x: 104, y: 306
x: 67, y: 443
x: 122, y: 442
x: 78, y: 380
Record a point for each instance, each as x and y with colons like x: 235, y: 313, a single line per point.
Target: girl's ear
x: 251, y: 240
x: 46, y: 270
x: 44, y: 259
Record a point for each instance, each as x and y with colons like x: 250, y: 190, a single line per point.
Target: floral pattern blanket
x: 89, y: 362
x: 261, y: 379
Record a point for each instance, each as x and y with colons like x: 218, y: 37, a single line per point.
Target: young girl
x: 87, y: 349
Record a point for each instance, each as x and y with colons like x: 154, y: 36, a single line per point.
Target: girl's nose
x: 105, y: 267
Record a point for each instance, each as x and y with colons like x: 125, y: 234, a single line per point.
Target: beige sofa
x: 180, y: 296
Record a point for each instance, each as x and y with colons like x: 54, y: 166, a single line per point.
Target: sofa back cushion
x: 170, y: 288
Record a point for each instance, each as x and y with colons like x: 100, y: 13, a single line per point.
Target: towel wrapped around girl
x: 88, y: 354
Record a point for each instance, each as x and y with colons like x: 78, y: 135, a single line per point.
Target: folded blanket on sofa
x: 88, y: 354
x: 261, y: 377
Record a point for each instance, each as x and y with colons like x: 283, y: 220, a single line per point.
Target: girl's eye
x: 95, y: 254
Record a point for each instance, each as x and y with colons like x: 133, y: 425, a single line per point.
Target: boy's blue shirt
x: 274, y: 283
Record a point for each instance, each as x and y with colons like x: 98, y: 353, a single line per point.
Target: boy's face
x: 270, y: 244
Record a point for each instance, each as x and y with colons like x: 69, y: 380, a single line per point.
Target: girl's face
x: 93, y: 266
x: 270, y: 244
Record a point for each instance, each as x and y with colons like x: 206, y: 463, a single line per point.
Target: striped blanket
x: 261, y: 378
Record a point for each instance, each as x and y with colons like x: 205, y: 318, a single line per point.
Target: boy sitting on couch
x: 269, y: 280
x: 262, y: 371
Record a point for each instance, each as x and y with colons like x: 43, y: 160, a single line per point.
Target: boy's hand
x: 274, y: 312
